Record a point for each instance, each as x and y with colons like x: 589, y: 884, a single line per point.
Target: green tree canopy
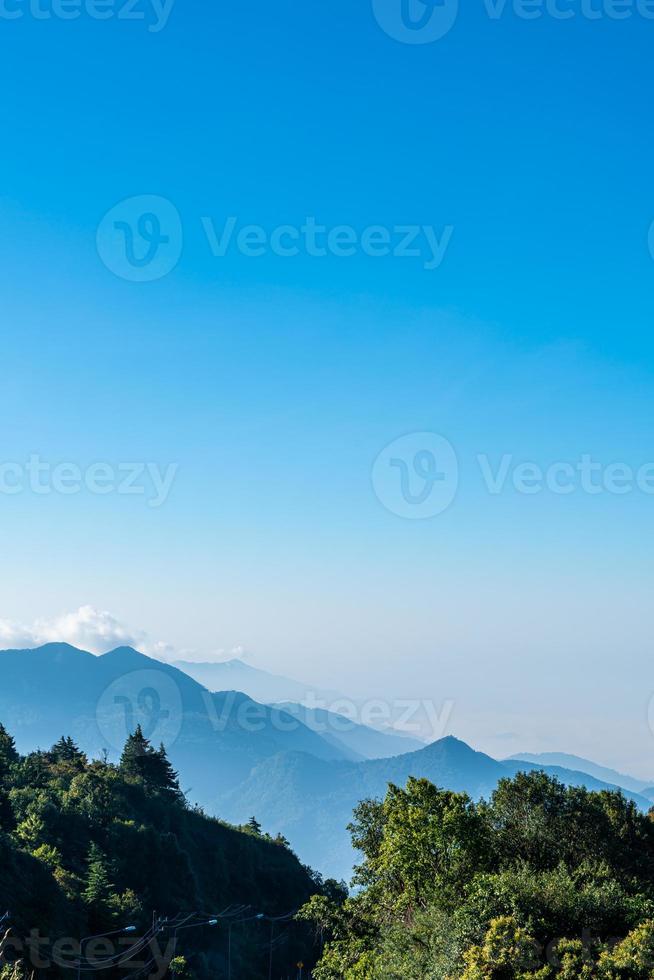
x: 8, y: 754
x: 537, y: 883
x: 87, y: 846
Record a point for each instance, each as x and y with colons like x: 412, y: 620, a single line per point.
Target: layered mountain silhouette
x: 237, y: 757
x: 357, y: 741
x: 310, y: 801
x: 236, y: 675
x: 567, y: 761
x: 213, y: 739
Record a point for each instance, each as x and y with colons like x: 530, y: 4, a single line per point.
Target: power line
x: 232, y: 915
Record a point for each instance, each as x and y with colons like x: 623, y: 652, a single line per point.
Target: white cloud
x: 97, y: 631
x: 88, y: 628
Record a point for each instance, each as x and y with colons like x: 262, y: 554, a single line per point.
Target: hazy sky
x: 259, y: 390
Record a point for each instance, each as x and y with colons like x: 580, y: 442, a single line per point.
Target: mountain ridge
x: 579, y: 764
x: 361, y: 741
x: 56, y: 689
x: 236, y: 756
x: 261, y: 685
x: 311, y: 804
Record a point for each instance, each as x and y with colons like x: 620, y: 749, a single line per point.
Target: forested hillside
x: 87, y: 847
x: 311, y: 800
x: 542, y: 881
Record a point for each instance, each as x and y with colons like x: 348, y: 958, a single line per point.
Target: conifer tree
x: 32, y: 831
x: 163, y: 775
x: 65, y: 750
x: 151, y: 766
x: 132, y: 761
x: 98, y: 879
x: 8, y: 754
x: 254, y: 826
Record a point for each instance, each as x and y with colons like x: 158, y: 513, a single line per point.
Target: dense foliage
x: 540, y: 882
x: 87, y: 847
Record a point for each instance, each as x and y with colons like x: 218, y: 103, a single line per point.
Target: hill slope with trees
x: 87, y: 847
x: 543, y: 881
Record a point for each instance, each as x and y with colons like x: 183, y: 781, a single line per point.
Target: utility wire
x: 233, y: 914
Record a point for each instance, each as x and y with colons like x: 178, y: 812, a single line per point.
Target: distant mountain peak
x: 125, y: 655
x: 52, y: 650
x: 450, y: 744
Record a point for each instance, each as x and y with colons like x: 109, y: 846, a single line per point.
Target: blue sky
x: 273, y: 383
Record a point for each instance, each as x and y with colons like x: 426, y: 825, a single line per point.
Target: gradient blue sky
x: 274, y: 382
